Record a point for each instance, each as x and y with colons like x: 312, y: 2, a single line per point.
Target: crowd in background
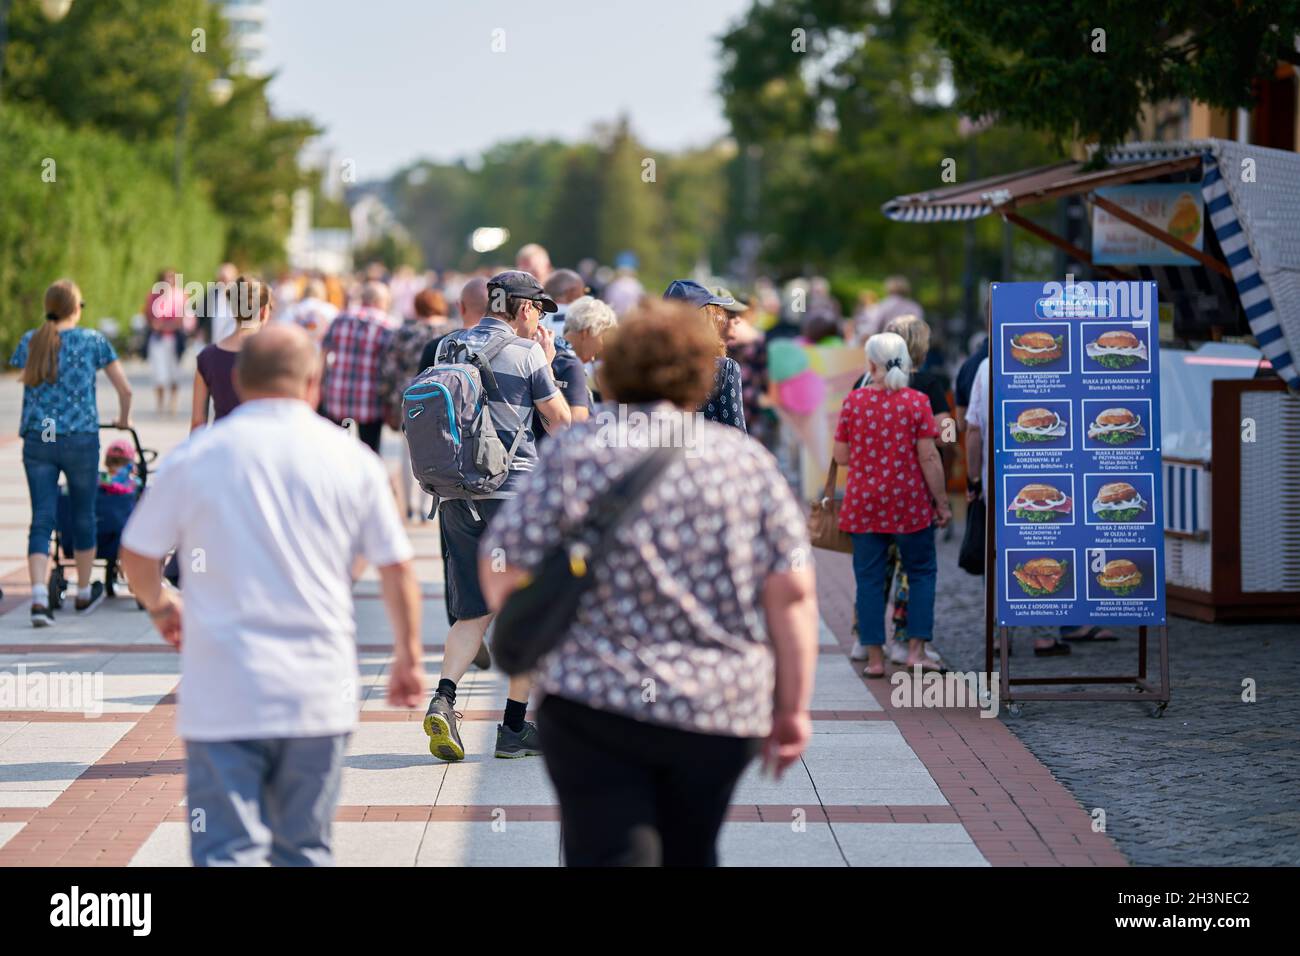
x: 717, y: 543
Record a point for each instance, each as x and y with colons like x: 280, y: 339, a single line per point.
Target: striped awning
x: 1254, y: 218
x: 1256, y: 223
x: 1005, y: 193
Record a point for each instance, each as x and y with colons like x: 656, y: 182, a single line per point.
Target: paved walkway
x: 880, y: 785
x: 1212, y: 782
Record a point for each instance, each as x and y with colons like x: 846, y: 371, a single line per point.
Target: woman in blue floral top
x: 60, y: 431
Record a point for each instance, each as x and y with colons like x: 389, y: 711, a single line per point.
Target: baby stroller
x: 111, y: 514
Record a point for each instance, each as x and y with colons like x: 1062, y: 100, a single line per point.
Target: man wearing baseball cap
x: 724, y: 404
x: 516, y: 303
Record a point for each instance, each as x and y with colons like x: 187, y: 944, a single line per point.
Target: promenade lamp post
x: 54, y: 10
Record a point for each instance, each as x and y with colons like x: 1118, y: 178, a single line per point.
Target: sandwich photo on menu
x: 1121, y: 577
x: 1118, y: 501
x: 1117, y: 349
x: 1116, y: 426
x: 1040, y: 503
x: 1036, y: 348
x: 1037, y: 424
x: 1040, y: 577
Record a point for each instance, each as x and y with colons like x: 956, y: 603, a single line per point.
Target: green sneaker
x: 442, y: 724
x: 523, y: 743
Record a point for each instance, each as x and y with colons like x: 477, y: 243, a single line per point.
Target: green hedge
x: 109, y: 221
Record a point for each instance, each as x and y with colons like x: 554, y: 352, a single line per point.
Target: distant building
x: 247, y: 21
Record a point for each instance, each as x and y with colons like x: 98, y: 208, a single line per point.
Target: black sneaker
x: 41, y: 616
x: 442, y: 724
x: 523, y: 743
x: 95, y: 600
x: 483, y: 659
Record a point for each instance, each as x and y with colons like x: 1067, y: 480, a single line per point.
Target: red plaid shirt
x: 354, y: 346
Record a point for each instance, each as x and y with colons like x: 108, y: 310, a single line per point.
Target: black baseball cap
x: 522, y: 285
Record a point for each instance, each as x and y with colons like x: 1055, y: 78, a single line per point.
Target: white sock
x: 83, y: 594
x: 40, y: 595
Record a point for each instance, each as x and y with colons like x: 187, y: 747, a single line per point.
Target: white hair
x: 888, y: 352
x: 589, y: 315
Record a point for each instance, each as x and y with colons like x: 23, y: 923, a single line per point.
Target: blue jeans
x: 76, y: 455
x: 263, y: 801
x: 869, y: 561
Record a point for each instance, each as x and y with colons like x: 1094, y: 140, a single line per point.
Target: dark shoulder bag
x: 971, y: 557
x: 537, y: 616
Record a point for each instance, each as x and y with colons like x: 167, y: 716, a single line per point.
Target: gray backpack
x: 455, y: 450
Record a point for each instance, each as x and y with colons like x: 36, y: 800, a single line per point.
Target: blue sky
x: 397, y: 80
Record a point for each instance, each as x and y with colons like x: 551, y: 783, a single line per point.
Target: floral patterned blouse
x: 67, y: 406
x: 886, y: 491
x: 672, y: 632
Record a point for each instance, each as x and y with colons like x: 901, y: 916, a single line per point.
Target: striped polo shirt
x: 524, y: 377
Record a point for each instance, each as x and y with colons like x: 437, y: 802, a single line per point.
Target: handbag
x: 824, y: 519
x: 971, y: 558
x: 537, y: 616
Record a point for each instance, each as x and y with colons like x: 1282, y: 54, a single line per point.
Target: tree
x: 393, y: 250
x: 837, y: 106
x: 1084, y: 71
x: 439, y: 206
x: 572, y: 230
x: 630, y: 207
x: 141, y: 71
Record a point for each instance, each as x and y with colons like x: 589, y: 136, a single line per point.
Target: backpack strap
x: 482, y: 360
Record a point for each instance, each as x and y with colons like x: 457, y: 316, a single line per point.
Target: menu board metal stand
x: 1140, y: 687
x: 1143, y: 690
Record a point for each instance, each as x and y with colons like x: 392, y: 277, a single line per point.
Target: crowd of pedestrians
x: 689, y: 646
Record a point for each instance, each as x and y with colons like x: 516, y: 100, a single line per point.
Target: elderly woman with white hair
x: 585, y: 324
x: 895, y: 494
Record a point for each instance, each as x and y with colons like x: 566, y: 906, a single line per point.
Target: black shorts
x: 462, y: 531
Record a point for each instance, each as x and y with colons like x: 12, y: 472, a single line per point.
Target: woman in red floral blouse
x: 895, y: 492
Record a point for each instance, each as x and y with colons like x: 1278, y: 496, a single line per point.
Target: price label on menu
x: 1076, y: 453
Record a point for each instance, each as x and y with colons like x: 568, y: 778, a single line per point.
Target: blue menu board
x: 1076, y: 453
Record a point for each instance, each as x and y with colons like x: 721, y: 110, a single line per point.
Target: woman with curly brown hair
x: 693, y: 650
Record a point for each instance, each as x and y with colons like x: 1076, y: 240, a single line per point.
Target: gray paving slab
x: 906, y: 844
x: 778, y: 844
x: 390, y: 763
x: 8, y: 830
x: 503, y: 843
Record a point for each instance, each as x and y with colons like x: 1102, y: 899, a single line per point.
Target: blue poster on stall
x: 1076, y: 453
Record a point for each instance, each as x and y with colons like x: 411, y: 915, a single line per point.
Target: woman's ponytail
x: 888, y: 352
x: 42, y: 367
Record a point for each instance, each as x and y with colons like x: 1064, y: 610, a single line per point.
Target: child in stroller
x: 121, y: 482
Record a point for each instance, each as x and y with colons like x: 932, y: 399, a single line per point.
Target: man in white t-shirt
x: 269, y: 511
x: 977, y: 430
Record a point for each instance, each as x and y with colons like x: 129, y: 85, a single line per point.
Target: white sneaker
x: 859, y: 652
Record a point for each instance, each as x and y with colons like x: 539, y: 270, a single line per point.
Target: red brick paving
x: 108, y: 812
